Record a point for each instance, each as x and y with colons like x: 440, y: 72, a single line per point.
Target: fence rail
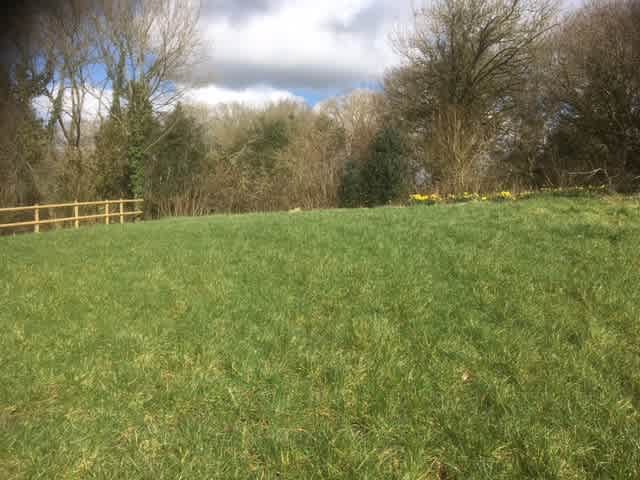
x: 76, y: 218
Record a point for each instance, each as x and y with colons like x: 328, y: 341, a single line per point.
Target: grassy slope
x: 327, y: 344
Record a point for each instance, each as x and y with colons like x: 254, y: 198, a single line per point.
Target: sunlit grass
x: 484, y: 340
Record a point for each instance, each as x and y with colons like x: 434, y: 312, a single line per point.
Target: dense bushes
x: 380, y: 176
x: 176, y: 168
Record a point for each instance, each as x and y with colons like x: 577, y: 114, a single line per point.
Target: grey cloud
x: 366, y: 21
x: 238, y: 11
x: 307, y: 76
x: 311, y: 73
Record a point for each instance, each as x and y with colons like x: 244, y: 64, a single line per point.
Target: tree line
x: 489, y: 94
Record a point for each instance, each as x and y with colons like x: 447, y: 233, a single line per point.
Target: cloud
x: 365, y: 21
x: 96, y: 104
x: 237, y: 11
x: 297, y: 44
x: 257, y: 96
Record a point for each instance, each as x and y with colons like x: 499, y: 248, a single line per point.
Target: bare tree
x: 128, y: 57
x: 465, y: 63
x: 145, y: 47
x: 68, y: 50
x: 147, y: 42
x: 359, y: 114
x: 596, y: 86
x: 23, y: 78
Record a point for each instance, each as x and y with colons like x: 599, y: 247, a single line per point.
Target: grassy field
x: 475, y: 341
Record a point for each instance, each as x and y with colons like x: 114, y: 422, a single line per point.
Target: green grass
x: 327, y: 345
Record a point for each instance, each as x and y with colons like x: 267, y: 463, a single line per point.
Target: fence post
x: 106, y: 212
x: 36, y: 218
x: 75, y: 215
x: 121, y: 212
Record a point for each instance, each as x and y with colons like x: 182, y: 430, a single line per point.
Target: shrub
x: 350, y: 191
x: 384, y: 171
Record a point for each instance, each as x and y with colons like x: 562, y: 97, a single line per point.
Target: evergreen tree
x: 350, y: 192
x: 142, y: 130
x: 178, y: 162
x: 384, y: 171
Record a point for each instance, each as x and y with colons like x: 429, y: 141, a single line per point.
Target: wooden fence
x: 109, y: 213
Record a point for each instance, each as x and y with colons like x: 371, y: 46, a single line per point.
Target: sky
x: 257, y: 51
x: 261, y: 51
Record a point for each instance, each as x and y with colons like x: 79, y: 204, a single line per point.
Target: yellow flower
x: 419, y: 197
x: 430, y: 199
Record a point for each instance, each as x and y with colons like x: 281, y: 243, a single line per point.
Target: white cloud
x: 96, y: 103
x: 302, y: 44
x: 258, y: 96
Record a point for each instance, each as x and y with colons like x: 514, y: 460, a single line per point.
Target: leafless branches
x: 465, y: 64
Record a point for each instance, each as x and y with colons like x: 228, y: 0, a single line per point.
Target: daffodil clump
x: 505, y: 195
x: 434, y: 198
x: 468, y: 197
x: 426, y: 199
